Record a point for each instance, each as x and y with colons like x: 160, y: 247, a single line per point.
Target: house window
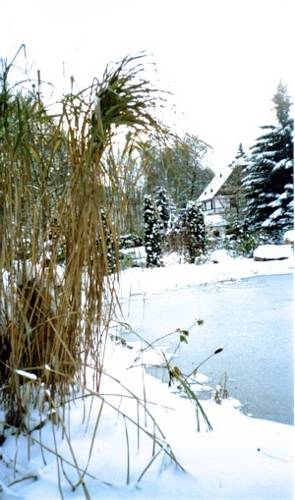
x: 209, y: 205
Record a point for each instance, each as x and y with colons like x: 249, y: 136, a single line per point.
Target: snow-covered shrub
x: 162, y: 204
x: 239, y: 239
x: 193, y: 229
x: 152, y: 233
x: 174, y: 236
x: 130, y: 240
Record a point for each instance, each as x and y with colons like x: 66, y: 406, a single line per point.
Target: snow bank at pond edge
x: 176, y: 276
x: 242, y: 458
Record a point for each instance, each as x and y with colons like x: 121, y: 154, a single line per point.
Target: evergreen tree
x: 152, y: 233
x: 235, y: 213
x: 162, y: 204
x: 193, y: 227
x: 282, y: 215
x: 233, y: 187
x: 268, y: 182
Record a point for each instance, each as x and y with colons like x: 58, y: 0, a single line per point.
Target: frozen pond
x: 251, y: 318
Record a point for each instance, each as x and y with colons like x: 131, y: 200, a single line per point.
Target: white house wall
x: 217, y: 205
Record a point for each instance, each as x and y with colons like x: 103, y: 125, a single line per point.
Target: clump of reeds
x: 59, y: 226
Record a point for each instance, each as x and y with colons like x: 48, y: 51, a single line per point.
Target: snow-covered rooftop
x: 217, y: 182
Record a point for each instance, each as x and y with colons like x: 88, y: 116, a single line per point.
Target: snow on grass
x: 107, y: 441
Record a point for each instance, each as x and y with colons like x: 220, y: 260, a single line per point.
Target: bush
x: 240, y: 240
x: 152, y: 234
x: 193, y: 229
x: 130, y: 240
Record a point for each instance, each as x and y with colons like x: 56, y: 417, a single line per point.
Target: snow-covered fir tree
x: 237, y: 236
x: 152, y: 233
x: 268, y: 181
x: 193, y: 227
x: 282, y: 216
x: 162, y: 204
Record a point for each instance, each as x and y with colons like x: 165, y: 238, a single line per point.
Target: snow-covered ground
x: 127, y: 434
x: 272, y: 252
x: 219, y: 267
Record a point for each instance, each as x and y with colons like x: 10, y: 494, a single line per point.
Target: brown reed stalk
x: 59, y: 223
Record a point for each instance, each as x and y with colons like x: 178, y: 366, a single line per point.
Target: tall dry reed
x: 60, y: 208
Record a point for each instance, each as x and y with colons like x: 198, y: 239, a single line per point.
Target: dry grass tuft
x: 60, y: 213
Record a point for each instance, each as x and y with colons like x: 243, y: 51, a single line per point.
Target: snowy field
x: 122, y: 442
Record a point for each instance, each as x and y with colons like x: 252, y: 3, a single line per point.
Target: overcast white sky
x: 222, y: 59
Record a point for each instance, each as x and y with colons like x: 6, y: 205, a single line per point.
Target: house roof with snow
x: 216, y: 184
